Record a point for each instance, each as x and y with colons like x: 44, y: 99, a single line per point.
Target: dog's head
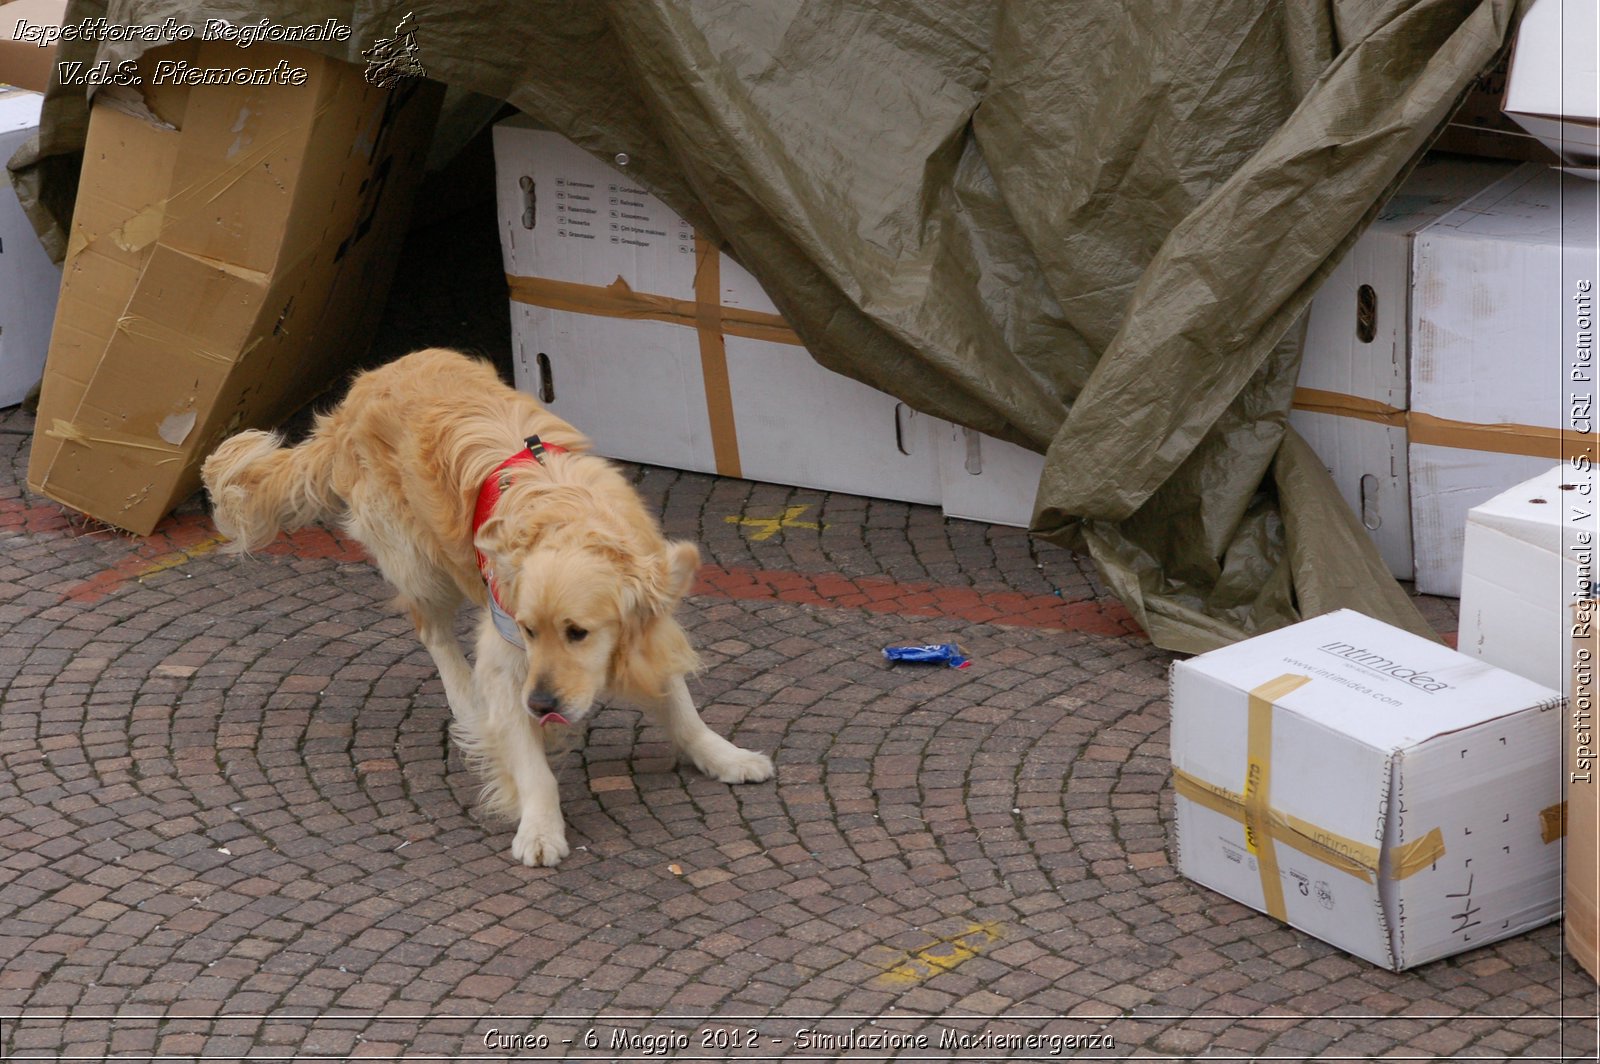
x: 595, y: 615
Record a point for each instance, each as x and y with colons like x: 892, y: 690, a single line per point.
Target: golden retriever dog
x: 463, y: 488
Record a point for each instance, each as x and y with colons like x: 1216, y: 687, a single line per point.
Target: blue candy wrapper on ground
x: 929, y: 654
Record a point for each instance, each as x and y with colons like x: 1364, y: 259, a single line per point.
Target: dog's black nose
x: 541, y: 700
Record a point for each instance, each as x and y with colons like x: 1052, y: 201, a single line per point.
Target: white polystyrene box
x: 1529, y: 556
x: 1403, y: 756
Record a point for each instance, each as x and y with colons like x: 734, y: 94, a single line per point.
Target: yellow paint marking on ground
x: 770, y: 526
x: 941, y: 956
x: 178, y: 557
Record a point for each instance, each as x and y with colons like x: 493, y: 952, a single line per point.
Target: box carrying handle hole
x: 1366, y: 314
x: 902, y: 419
x: 530, y: 200
x: 974, y: 452
x: 547, y: 388
x: 1369, y: 503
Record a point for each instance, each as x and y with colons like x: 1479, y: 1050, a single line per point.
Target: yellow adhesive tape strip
x: 1347, y: 855
x: 1416, y: 855
x: 1258, y: 787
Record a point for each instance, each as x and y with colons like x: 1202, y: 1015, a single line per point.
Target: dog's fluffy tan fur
x: 580, y: 564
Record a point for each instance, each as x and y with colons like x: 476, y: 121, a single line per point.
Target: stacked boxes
x: 665, y: 350
x: 1443, y: 380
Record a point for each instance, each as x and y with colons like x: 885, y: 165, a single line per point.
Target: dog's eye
x: 526, y: 631
x: 576, y: 634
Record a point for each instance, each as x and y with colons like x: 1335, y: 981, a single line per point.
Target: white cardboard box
x: 29, y: 281
x: 985, y: 479
x: 1553, y: 85
x: 1377, y: 790
x: 1354, y: 375
x: 1530, y: 554
x: 607, y: 289
x: 1496, y: 325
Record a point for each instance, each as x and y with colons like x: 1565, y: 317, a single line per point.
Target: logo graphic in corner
x: 1378, y: 663
x: 393, y: 58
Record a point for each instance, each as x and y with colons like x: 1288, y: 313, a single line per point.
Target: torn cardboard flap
x: 224, y: 266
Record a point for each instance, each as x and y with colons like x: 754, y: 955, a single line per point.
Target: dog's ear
x: 653, y: 647
x: 490, y: 537
x: 683, y: 564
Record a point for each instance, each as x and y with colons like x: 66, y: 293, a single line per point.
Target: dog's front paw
x: 540, y: 842
x: 735, y: 765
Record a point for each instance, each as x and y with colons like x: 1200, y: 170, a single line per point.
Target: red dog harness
x: 496, y: 482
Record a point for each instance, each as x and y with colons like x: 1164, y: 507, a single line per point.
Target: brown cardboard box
x: 25, y: 63
x: 1583, y: 792
x: 230, y: 251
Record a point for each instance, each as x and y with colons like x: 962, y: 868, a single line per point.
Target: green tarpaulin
x: 1087, y: 227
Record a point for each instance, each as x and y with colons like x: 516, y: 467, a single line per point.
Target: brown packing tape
x: 714, y: 356
x: 1532, y: 440
x: 617, y: 300
x: 705, y: 314
x: 1316, y: 401
x: 1553, y: 823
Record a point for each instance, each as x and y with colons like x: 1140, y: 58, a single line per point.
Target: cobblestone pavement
x: 231, y: 824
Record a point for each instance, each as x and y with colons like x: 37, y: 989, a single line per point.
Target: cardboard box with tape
x: 1372, y: 788
x: 664, y: 350
x: 229, y: 252
x: 1528, y: 606
x: 1354, y: 387
x: 29, y: 281
x: 1502, y: 360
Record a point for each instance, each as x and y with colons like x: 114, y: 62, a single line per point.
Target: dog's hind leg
x: 710, y: 752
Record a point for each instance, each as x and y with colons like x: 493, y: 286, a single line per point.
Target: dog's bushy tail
x: 260, y: 487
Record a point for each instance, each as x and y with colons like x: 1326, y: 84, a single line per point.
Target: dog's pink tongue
x: 552, y: 718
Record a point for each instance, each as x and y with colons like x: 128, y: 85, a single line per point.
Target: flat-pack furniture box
x: 1553, y: 84
x: 1530, y: 553
x: 29, y: 281
x: 229, y: 254
x: 663, y: 350
x: 985, y: 479
x: 1372, y: 788
x: 1354, y: 386
x: 1502, y: 352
